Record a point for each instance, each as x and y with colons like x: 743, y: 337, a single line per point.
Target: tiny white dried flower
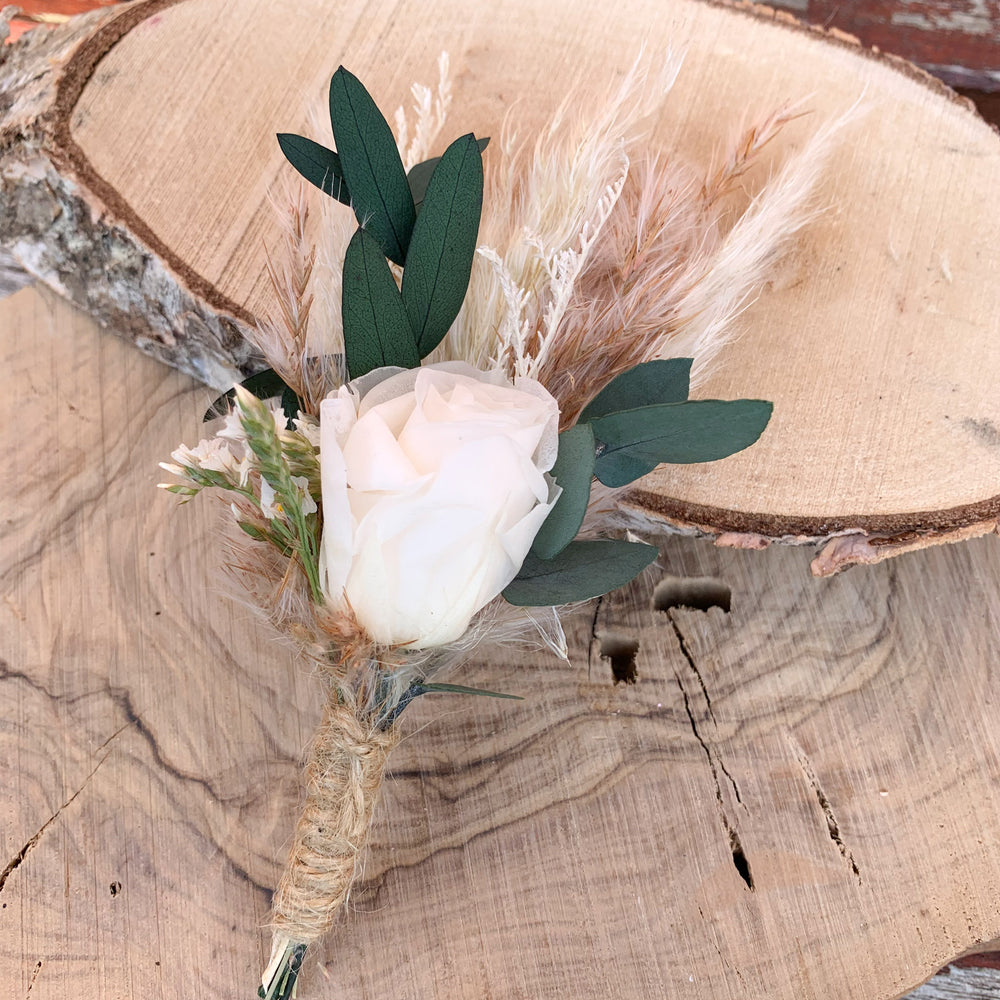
x: 267, y: 505
x: 278, y: 415
x: 183, y: 456
x: 309, y: 428
x: 232, y: 429
x: 308, y: 504
x: 214, y: 456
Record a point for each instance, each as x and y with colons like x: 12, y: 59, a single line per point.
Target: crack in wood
x: 682, y: 642
x: 833, y: 827
x: 121, y: 698
x: 621, y: 651
x: 121, y: 729
x: 594, y: 641
x: 740, y: 860
x: 685, y: 650
x: 33, y: 841
x: 34, y: 976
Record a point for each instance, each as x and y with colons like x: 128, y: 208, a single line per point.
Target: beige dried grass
x: 286, y: 336
x: 648, y: 257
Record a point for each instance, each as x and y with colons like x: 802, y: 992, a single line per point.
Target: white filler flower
x: 434, y: 487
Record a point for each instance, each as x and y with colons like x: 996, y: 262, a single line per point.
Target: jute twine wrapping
x: 344, y: 774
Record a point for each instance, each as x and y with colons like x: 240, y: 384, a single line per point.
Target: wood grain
x: 831, y: 742
x: 847, y: 340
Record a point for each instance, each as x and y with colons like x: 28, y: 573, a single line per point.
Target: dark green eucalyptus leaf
x: 376, y: 329
x: 631, y: 443
x: 291, y: 404
x: 664, y: 381
x: 573, y: 471
x: 316, y: 163
x: 461, y: 689
x: 420, y: 174
x: 264, y: 385
x: 582, y: 570
x: 380, y: 195
x: 439, y: 261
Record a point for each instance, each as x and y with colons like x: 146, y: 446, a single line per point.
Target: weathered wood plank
x: 959, y: 983
x: 956, y: 40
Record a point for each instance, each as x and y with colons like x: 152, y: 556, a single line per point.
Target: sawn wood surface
x: 798, y: 798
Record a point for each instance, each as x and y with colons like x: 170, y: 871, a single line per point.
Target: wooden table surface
x: 799, y: 798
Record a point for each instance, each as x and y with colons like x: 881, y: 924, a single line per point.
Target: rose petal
x: 375, y: 461
x: 336, y: 546
x: 436, y: 489
x: 414, y: 579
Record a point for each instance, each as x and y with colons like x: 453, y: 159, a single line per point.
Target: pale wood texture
x: 877, y: 340
x: 838, y: 735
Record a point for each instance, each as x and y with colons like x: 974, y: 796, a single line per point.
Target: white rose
x: 434, y: 488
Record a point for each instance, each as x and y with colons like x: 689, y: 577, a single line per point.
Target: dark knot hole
x: 698, y: 592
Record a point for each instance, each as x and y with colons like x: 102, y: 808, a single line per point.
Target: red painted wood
x: 958, y: 40
x: 989, y: 960
x: 59, y: 8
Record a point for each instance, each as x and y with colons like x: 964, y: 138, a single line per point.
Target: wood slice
x: 797, y: 799
x: 139, y: 158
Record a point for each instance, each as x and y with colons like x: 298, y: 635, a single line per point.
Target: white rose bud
x: 434, y: 487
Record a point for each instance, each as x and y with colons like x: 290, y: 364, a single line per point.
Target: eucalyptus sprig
x: 426, y: 221
x: 641, y: 419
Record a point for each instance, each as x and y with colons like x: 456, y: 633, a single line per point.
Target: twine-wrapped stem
x: 346, y: 766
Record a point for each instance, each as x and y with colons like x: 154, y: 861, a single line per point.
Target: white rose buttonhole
x: 434, y: 487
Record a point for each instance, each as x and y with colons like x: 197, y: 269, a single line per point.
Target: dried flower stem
x: 347, y: 764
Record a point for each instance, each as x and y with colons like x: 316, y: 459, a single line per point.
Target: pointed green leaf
x: 420, y: 174
x: 573, y: 471
x: 461, y: 689
x: 264, y: 385
x: 631, y: 443
x: 317, y: 164
x: 376, y: 330
x: 439, y: 261
x: 663, y: 381
x: 582, y: 570
x: 380, y: 195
